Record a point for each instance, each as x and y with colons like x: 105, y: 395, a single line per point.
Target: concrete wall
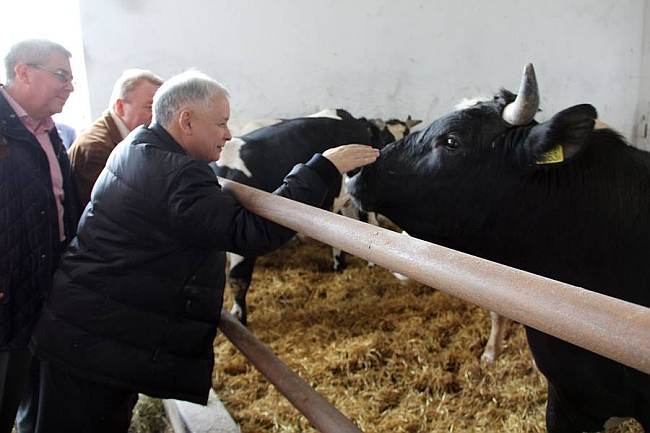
x: 376, y: 58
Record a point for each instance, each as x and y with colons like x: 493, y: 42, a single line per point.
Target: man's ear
x: 185, y: 121
x: 118, y: 106
x: 21, y: 70
x: 561, y: 138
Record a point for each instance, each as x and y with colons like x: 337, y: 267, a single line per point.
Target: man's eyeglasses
x: 63, y: 76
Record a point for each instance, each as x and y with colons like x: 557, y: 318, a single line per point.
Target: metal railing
x: 322, y: 415
x: 605, y: 325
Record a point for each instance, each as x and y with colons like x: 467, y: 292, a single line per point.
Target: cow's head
x: 464, y: 163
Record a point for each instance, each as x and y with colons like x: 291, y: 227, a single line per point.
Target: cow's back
x: 269, y: 153
x: 587, y: 223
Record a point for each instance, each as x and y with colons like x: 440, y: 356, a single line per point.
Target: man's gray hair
x: 31, y: 51
x: 129, y: 80
x: 190, y: 88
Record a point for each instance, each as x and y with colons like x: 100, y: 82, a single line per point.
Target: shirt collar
x: 124, y: 131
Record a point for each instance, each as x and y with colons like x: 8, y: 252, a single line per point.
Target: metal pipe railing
x: 605, y: 325
x: 322, y: 415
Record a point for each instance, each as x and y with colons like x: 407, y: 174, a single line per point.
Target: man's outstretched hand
x: 350, y: 156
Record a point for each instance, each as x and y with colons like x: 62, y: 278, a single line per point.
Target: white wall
x: 376, y: 58
x: 58, y: 21
x: 641, y: 135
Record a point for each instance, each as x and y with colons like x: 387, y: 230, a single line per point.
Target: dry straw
x: 392, y: 357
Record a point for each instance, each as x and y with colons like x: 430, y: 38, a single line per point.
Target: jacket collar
x: 10, y: 124
x: 157, y: 136
x: 12, y: 127
x: 114, y: 130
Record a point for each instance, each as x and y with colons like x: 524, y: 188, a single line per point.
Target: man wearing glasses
x: 38, y: 206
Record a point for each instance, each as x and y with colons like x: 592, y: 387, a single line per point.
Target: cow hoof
x: 488, y: 357
x: 339, y: 264
x: 402, y: 278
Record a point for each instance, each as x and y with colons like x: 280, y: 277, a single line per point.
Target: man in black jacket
x: 38, y: 211
x: 137, y: 296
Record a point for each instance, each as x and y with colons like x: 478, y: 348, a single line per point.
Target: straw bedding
x: 393, y: 357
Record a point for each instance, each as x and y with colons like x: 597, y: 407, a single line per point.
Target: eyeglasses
x: 63, y: 76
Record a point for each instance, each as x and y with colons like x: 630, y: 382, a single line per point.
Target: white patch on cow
x: 343, y: 200
x: 330, y: 113
x: 233, y: 259
x: 230, y: 156
x: 470, y: 102
x: 613, y: 422
x: 397, y: 130
x: 237, y: 311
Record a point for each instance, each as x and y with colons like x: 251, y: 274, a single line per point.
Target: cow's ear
x: 379, y: 123
x: 410, y: 122
x: 561, y: 138
x: 504, y: 97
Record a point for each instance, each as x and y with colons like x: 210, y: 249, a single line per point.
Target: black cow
x: 264, y: 156
x: 558, y: 198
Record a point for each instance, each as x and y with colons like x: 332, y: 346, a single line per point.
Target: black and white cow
x: 264, y: 156
x: 559, y: 198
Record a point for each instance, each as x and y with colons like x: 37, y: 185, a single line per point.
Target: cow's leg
x: 339, y: 262
x: 338, y: 257
x: 240, y: 273
x: 494, y: 345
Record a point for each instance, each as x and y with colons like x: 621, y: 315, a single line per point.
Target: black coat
x: 137, y: 297
x: 29, y: 234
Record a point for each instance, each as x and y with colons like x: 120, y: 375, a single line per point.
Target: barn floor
x: 392, y: 357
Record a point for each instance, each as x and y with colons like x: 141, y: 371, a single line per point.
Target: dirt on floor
x: 392, y: 356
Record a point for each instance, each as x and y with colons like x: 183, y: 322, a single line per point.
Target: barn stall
x: 391, y: 356
x: 365, y: 323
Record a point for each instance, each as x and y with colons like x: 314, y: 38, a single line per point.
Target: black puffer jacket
x: 137, y: 296
x: 29, y: 234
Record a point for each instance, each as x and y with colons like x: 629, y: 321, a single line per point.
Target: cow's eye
x: 451, y: 143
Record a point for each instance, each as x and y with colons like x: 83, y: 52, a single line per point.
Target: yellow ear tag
x: 553, y: 156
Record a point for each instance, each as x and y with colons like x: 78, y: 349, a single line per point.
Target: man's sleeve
x: 206, y: 215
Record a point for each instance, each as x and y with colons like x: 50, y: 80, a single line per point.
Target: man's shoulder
x: 102, y: 134
x: 149, y: 152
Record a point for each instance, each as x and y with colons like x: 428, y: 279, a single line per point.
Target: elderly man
x: 130, y: 107
x: 137, y: 296
x: 38, y: 203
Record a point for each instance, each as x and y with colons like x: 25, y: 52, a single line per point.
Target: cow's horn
x: 524, y: 108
